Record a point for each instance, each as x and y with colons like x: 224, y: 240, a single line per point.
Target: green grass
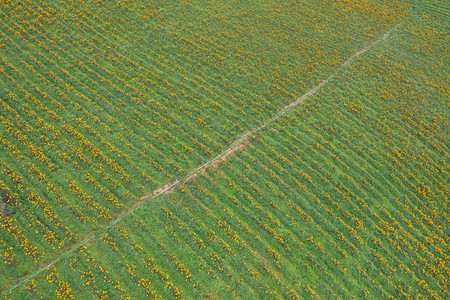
x: 344, y: 197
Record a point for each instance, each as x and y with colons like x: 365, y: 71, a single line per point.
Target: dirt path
x: 238, y: 145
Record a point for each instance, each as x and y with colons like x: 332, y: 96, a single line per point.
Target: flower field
x: 103, y: 102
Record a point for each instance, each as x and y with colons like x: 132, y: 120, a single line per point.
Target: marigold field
x: 109, y: 108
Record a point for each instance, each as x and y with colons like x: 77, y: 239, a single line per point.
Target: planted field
x: 344, y: 195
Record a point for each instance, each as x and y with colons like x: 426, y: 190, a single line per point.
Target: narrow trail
x: 239, y: 144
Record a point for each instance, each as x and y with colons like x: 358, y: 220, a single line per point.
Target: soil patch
x: 6, y: 200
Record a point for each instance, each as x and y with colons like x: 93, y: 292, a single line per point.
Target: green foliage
x: 101, y: 103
